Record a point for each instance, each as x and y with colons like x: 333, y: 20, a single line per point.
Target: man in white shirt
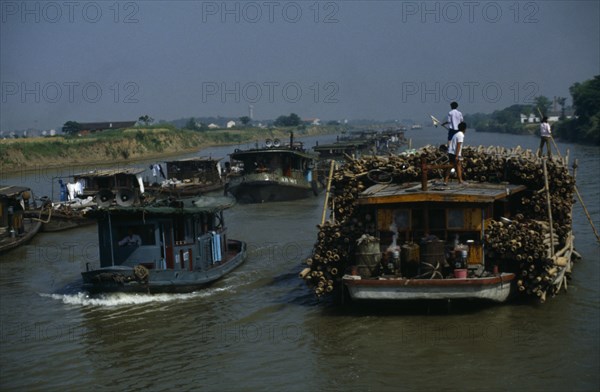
x: 131, y: 239
x: 545, y: 134
x: 455, y: 152
x: 455, y: 117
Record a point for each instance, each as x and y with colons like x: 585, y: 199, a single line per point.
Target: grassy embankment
x: 128, y: 145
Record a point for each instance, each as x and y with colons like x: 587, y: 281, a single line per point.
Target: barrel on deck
x: 368, y: 256
x: 432, y: 257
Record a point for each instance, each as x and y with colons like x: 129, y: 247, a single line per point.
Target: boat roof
x: 110, y: 172
x: 271, y: 150
x: 195, y: 159
x: 341, y: 144
x: 452, y: 193
x: 184, y: 206
x: 12, y: 191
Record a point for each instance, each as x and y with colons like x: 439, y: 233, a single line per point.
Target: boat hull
x: 124, y: 279
x: 184, y: 190
x: 495, y: 288
x: 252, y: 189
x: 31, y: 228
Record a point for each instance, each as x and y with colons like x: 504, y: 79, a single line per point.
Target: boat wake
x: 125, y: 299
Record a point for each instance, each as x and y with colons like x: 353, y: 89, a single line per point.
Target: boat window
x: 183, y: 230
x: 418, y: 220
x: 456, y: 218
x: 402, y: 219
x: 102, y: 182
x: 437, y: 219
x: 146, y: 233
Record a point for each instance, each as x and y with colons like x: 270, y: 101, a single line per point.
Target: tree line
x: 583, y: 127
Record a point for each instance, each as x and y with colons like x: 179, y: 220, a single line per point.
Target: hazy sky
x: 112, y: 61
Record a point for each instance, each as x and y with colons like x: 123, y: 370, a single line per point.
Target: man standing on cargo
x: 455, y: 117
x: 545, y: 134
x: 455, y: 152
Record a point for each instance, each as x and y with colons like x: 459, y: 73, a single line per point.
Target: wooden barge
x: 507, y: 232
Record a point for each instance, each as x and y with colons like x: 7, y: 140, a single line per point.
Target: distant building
x: 312, y: 121
x: 554, y: 116
x: 212, y: 126
x: 532, y: 118
x: 230, y: 124
x: 102, y: 126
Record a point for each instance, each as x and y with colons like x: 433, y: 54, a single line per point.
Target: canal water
x: 260, y: 328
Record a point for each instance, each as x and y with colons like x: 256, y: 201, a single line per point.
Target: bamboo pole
x: 328, y: 191
x: 575, y: 187
x: 549, y: 205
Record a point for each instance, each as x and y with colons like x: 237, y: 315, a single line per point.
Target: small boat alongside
x: 396, y: 235
x: 274, y: 172
x: 59, y: 216
x: 171, y: 245
x: 15, y: 227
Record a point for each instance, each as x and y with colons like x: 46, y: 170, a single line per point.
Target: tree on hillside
x: 543, y: 104
x: 71, y: 127
x: 192, y: 124
x: 293, y: 120
x: 146, y: 119
x: 586, y: 98
x: 585, y: 127
x: 562, y: 101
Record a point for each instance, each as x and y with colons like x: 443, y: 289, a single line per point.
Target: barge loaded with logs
x: 275, y: 172
x: 397, y: 232
x: 170, y: 245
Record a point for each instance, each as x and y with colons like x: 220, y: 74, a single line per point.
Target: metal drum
x: 368, y: 256
x: 432, y: 258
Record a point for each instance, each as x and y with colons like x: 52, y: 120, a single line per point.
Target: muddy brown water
x: 260, y: 328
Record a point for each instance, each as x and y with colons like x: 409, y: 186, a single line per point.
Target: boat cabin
x: 195, y: 169
x: 120, y: 185
x: 455, y: 217
x: 279, y: 161
x: 177, y: 235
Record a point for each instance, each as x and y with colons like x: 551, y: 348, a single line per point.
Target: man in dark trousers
x: 545, y: 136
x: 455, y: 117
x: 455, y: 152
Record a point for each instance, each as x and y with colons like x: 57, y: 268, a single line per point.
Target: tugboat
x: 397, y: 235
x: 15, y: 227
x: 275, y: 172
x: 171, y: 245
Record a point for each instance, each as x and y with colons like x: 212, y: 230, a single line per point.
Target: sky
x: 92, y: 61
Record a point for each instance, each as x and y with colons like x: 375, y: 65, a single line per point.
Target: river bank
x: 129, y: 145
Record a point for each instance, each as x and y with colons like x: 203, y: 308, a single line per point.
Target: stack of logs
x: 524, y: 242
